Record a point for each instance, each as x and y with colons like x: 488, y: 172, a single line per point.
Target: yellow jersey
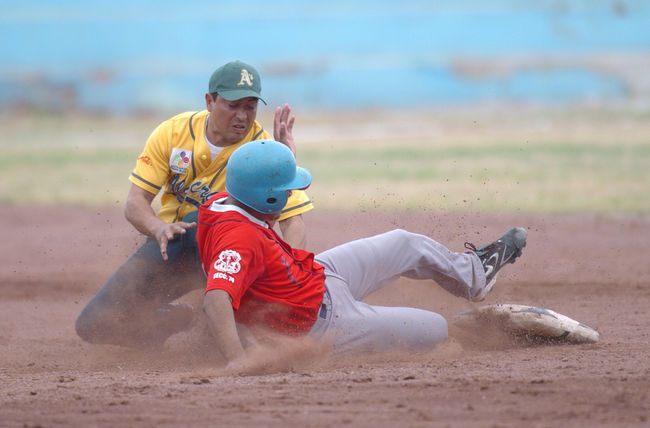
x: 177, y: 158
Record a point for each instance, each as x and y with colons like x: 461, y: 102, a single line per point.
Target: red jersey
x: 270, y: 283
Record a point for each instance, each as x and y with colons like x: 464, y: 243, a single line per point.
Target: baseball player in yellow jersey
x: 184, y: 158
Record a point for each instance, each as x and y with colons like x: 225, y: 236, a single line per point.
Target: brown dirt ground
x: 592, y: 268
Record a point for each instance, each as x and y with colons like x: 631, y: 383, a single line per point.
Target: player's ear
x: 208, y: 100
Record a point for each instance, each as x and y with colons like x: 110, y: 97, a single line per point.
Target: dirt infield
x: 591, y: 268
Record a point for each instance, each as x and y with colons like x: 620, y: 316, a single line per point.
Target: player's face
x: 230, y: 121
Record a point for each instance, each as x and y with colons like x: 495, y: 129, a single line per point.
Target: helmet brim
x: 301, y: 181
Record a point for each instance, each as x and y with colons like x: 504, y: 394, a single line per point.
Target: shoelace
x: 471, y: 246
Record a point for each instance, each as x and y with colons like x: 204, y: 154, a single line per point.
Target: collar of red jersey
x: 220, y: 206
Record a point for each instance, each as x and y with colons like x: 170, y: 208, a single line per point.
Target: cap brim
x: 301, y: 181
x: 240, y: 94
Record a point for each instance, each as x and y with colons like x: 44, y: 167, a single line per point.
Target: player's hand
x: 168, y: 231
x: 283, y: 127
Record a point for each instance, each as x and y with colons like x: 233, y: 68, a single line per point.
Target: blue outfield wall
x: 121, y: 56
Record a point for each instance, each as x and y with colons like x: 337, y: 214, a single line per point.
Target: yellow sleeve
x: 298, y: 203
x: 151, y: 169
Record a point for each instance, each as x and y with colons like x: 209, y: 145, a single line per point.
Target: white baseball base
x: 528, y: 321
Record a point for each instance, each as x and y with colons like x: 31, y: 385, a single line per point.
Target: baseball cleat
x: 493, y: 256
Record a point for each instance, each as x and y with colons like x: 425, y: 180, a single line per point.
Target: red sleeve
x: 235, y: 258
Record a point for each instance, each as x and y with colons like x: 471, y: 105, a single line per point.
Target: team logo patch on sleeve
x: 179, y: 160
x: 145, y: 159
x: 228, y: 262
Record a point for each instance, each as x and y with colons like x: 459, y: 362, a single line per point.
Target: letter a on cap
x: 246, y: 78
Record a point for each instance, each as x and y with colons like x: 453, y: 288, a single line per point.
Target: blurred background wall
x: 123, y: 57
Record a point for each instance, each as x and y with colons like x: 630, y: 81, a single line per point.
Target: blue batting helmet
x: 259, y: 174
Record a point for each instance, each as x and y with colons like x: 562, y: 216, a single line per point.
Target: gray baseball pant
x: 356, y: 269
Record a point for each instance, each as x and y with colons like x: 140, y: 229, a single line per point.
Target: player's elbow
x: 129, y: 210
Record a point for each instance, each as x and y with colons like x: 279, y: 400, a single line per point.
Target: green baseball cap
x: 236, y: 80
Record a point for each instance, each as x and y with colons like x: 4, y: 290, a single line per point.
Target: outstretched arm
x: 293, y: 228
x: 218, y: 308
x: 140, y: 214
